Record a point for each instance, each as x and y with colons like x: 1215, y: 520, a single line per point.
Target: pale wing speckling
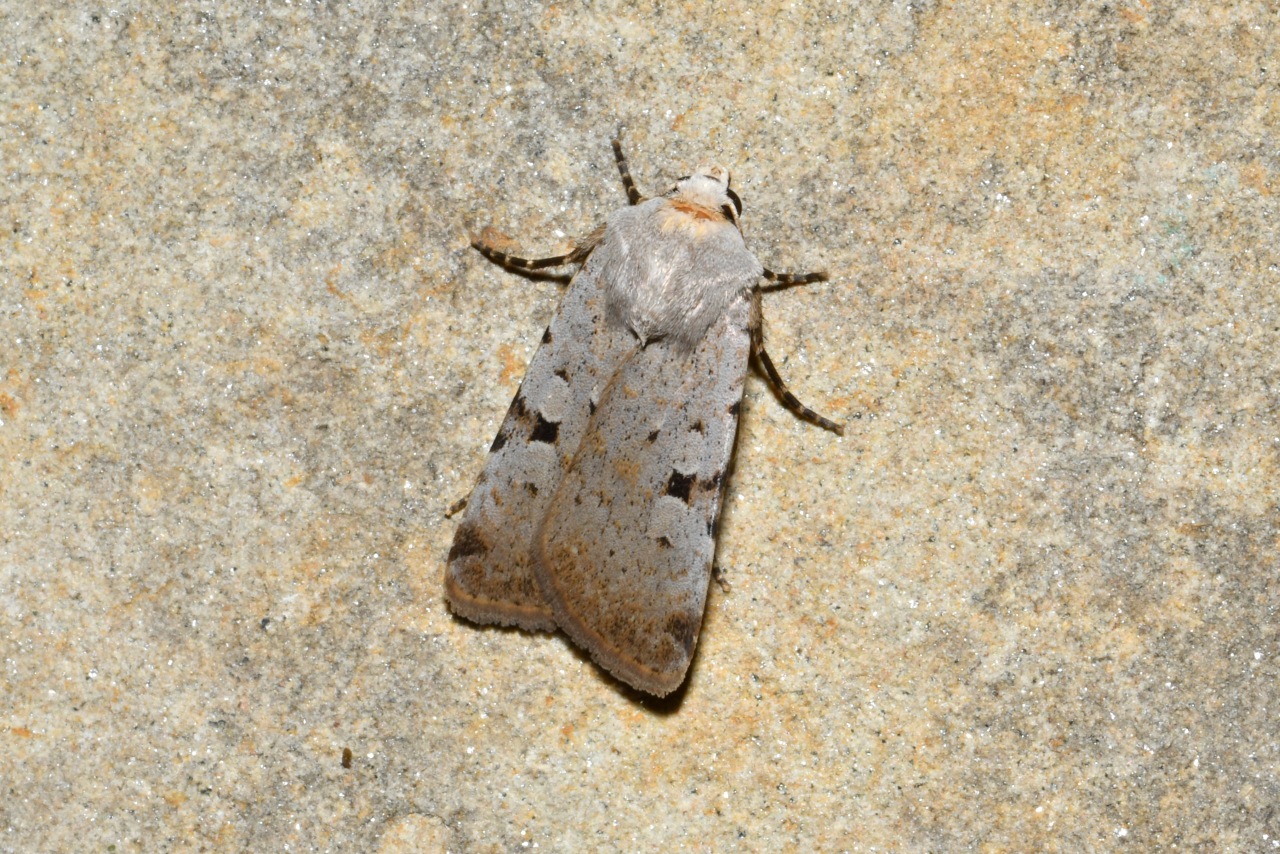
x: 489, y: 578
x: 626, y: 550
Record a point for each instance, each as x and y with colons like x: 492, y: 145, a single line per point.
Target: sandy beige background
x: 247, y: 359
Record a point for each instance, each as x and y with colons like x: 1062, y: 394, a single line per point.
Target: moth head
x: 708, y: 187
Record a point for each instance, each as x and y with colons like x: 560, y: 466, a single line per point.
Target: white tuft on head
x: 715, y: 172
x: 707, y: 187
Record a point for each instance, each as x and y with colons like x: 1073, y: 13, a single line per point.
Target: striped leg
x: 784, y: 279
x: 512, y: 262
x: 633, y: 195
x: 775, y: 379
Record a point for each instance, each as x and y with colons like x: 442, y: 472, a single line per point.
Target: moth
x: 597, y: 509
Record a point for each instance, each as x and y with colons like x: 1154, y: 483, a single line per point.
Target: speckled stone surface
x: 247, y: 360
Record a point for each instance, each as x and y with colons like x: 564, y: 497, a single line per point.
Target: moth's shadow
x: 667, y: 705
x: 539, y: 275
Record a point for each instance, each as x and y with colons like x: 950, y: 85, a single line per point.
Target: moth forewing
x: 624, y: 554
x: 489, y: 578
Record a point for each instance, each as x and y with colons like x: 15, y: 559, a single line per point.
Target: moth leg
x: 577, y: 255
x: 514, y: 262
x: 633, y: 195
x: 721, y: 577
x: 787, y: 279
x: 775, y: 379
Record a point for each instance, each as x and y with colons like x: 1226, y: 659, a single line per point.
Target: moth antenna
x: 633, y: 195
